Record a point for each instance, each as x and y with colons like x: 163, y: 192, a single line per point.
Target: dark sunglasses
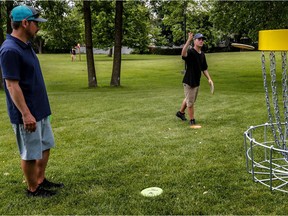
x: 201, y: 39
x: 35, y: 22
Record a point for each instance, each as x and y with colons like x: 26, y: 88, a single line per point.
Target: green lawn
x: 114, y: 142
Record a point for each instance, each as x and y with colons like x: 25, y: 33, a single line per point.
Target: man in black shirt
x: 196, y: 64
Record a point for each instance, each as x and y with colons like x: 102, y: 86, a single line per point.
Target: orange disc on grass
x: 195, y: 126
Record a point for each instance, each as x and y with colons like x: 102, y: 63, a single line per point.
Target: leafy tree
x: 161, y: 34
x: 1, y: 23
x: 184, y: 16
x: 155, y: 16
x: 4, y: 15
x: 246, y: 18
x: 63, y: 27
x: 92, y: 80
x: 103, y: 23
x: 9, y: 7
x: 115, y: 78
x: 136, y: 25
x: 177, y: 18
x: 174, y: 20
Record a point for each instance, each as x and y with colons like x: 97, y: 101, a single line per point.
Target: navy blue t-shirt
x: 196, y: 63
x: 18, y: 61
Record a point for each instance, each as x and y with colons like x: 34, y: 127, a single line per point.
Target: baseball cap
x: 199, y: 35
x: 22, y: 12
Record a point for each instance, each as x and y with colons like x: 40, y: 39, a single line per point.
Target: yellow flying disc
x: 243, y: 46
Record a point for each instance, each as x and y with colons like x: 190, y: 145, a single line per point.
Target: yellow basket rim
x: 273, y: 40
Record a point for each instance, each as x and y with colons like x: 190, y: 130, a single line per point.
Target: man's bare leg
x: 183, y: 106
x: 41, y: 166
x: 29, y: 168
x: 191, y: 112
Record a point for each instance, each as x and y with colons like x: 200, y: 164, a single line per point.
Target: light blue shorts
x: 31, y: 145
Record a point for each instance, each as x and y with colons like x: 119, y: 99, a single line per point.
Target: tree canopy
x: 248, y: 17
x: 152, y: 22
x: 144, y: 23
x: 63, y: 28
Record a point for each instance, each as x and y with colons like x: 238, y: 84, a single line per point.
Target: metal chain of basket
x: 270, y: 118
x: 281, y: 139
x: 285, y: 88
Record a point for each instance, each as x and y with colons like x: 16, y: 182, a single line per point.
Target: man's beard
x: 31, y: 35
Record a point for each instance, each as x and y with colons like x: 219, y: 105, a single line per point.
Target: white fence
x: 125, y: 50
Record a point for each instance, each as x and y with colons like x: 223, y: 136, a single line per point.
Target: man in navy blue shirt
x: 27, y: 100
x: 196, y: 64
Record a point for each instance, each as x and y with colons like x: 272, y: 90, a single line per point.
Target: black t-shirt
x: 196, y: 63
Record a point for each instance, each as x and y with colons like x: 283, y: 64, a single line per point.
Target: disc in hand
x: 211, y: 87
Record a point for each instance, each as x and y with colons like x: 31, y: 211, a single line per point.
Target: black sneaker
x: 40, y: 192
x: 181, y: 116
x: 192, y: 122
x: 48, y: 185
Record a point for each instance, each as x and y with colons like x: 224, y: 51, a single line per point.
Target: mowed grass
x: 114, y: 142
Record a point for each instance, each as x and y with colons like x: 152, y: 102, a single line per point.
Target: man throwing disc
x: 196, y: 64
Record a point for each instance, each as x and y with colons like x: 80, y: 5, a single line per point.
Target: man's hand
x: 29, y: 123
x: 190, y: 36
x: 187, y: 44
x: 210, y: 82
x: 18, y: 99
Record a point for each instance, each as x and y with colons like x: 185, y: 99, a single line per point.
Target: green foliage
x: 63, y: 27
x: 158, y: 36
x: 2, y: 23
x: 174, y: 19
x: 185, y: 16
x: 246, y: 18
x: 169, y: 16
x: 136, y: 25
x: 103, y: 15
x: 112, y: 143
x: 156, y: 22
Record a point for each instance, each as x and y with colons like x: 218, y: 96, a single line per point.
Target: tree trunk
x: 115, y: 79
x: 9, y: 7
x: 40, y: 48
x: 92, y: 80
x: 39, y: 42
x: 1, y: 24
x: 110, y: 52
x: 1, y: 40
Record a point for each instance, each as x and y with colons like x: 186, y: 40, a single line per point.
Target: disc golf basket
x: 266, y: 146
